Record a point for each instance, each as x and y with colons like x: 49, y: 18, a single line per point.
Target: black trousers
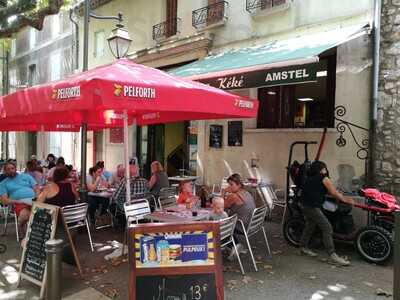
x: 94, y: 203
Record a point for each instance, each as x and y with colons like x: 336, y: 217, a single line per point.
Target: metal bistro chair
x: 134, y: 211
x: 166, y: 201
x: 256, y: 224
x: 227, y: 228
x: 9, y: 210
x: 268, y: 195
x: 75, y: 216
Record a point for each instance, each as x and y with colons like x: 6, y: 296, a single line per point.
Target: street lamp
x: 119, y: 41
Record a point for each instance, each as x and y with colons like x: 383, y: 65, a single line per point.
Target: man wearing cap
x: 19, y: 190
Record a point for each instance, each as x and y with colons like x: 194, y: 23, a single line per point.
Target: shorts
x: 19, y: 207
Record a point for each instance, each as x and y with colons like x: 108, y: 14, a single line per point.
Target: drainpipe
x: 373, y: 105
x: 76, y: 40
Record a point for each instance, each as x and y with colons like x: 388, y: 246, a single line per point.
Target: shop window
x: 305, y: 105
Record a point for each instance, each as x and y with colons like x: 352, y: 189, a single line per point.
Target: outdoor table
x: 178, y: 214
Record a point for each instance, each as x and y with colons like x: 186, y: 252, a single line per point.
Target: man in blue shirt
x: 19, y: 190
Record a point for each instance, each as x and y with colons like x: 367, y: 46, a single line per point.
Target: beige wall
x: 271, y: 146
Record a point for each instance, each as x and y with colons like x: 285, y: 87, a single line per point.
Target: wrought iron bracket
x: 342, y: 126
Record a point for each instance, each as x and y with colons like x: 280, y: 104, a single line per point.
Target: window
x: 56, y: 25
x: 13, y: 79
x: 99, y: 41
x: 32, y: 38
x: 172, y: 14
x: 305, y: 105
x: 13, y: 48
x: 55, y: 143
x: 32, y: 78
x: 55, y: 66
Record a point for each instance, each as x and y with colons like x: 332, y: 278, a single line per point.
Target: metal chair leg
x: 284, y: 214
x: 89, y: 234
x: 5, y: 212
x: 238, y: 256
x: 251, y: 251
x: 16, y: 226
x: 266, y: 241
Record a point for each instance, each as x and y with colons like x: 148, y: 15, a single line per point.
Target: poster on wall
x: 216, y: 136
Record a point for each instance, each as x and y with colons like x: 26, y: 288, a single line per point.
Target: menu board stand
x: 72, y: 245
x: 175, y: 261
x: 41, y: 228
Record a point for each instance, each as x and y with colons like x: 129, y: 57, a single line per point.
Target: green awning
x: 303, y: 49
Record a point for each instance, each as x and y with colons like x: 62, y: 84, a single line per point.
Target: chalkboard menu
x: 41, y: 228
x: 216, y: 132
x: 184, y: 287
x: 175, y: 261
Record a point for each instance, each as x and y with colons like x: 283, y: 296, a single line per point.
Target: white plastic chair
x: 75, y: 216
x: 256, y: 224
x: 268, y: 195
x: 227, y: 228
x: 134, y: 211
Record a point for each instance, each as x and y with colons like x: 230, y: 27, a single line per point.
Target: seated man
x: 18, y: 189
x: 138, y: 185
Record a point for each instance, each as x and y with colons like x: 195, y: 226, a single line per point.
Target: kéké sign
x: 265, y: 78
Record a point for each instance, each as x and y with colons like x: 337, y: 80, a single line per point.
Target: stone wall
x: 388, y: 127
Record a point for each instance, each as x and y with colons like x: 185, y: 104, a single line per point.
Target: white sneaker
x: 308, y: 251
x: 336, y: 259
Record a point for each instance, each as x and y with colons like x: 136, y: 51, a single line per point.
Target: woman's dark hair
x: 235, y: 178
x: 316, y: 168
x: 93, y: 169
x: 69, y: 168
x: 31, y: 165
x: 100, y: 164
x: 51, y: 155
x: 60, y: 161
x: 60, y: 174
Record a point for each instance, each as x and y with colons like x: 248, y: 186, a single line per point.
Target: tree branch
x: 34, y: 19
x: 17, y: 8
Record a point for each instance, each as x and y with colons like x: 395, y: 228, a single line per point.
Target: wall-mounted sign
x: 267, y: 77
x: 216, y: 132
x: 235, y: 133
x: 175, y: 261
x: 116, y: 135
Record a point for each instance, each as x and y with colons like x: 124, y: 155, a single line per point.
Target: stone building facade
x: 388, y: 126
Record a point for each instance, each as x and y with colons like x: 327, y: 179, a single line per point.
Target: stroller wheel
x: 292, y: 230
x: 375, y: 244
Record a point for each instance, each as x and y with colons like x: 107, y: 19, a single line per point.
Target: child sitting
x: 218, y: 212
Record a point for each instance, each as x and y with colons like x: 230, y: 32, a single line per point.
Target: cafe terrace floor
x: 287, y: 276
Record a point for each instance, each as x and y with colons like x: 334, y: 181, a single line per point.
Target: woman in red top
x: 186, y: 193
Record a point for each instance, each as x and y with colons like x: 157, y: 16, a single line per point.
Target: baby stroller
x: 374, y: 241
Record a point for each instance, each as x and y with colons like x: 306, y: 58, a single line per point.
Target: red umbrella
x: 117, y: 94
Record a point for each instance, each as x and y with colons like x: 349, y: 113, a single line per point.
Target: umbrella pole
x: 42, y: 154
x: 82, y: 190
x: 126, y: 157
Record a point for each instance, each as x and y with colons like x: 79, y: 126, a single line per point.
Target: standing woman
x: 159, y: 178
x: 315, y: 189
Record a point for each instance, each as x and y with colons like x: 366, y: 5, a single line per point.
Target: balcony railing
x: 165, y: 29
x: 209, y: 15
x: 259, y: 5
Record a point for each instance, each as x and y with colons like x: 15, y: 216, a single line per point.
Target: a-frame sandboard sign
x: 41, y: 227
